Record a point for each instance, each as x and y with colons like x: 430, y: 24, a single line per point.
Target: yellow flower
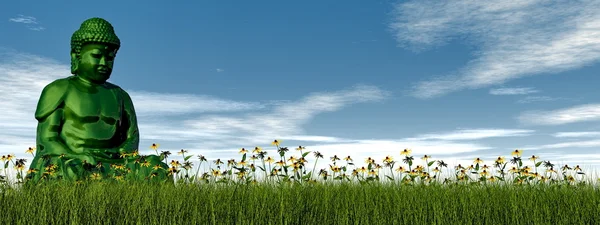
x: 230, y: 162
x: 348, y: 158
x: 302, y: 160
x: 243, y: 163
x: 478, y: 160
x: 533, y: 158
x: 492, y: 179
x: 157, y: 167
x: 31, y: 171
x: 577, y: 168
x: 123, y: 154
x: 243, y: 150
x: 135, y: 153
x: 281, y: 163
x: 146, y: 164
x: 118, y: 166
x: 400, y: 169
x: 514, y: 170
x: 419, y: 168
x: 334, y: 168
x: 517, y: 152
x: 426, y: 157
x: 388, y: 159
x: 172, y: 170
x: 406, y: 151
x: 256, y: 150
x: 275, y: 142
x: 526, y: 169
x: 10, y: 157
x: 30, y: 150
x: 270, y: 160
x: 96, y: 176
x: 372, y: 172
x: 20, y: 167
x: 484, y: 173
x: 500, y: 159
x: 362, y: 169
x: 291, y: 159
x: 216, y: 172
x: 300, y: 148
x: 436, y: 169
x: 154, y: 146
x: 119, y: 177
x: 181, y: 152
x: 334, y: 158
x: 175, y: 163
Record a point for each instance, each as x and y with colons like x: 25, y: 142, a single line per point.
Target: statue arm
x: 49, y: 114
x: 129, y: 119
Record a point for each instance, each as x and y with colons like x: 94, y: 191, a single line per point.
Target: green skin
x: 85, y: 118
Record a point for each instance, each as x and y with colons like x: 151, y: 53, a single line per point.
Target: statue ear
x: 74, y: 63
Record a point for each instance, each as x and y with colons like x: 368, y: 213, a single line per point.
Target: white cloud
x: 29, y: 21
x: 220, y: 70
x: 530, y: 99
x: 473, y: 134
x: 583, y: 134
x: 580, y: 113
x: 572, y: 144
x: 150, y: 104
x: 512, y: 91
x: 24, y: 19
x: 285, y: 120
x: 515, y: 38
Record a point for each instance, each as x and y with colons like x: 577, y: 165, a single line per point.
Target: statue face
x: 96, y: 62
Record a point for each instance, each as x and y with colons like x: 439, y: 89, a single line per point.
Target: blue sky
x: 367, y: 79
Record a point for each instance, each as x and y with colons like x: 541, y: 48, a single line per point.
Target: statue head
x: 93, y: 50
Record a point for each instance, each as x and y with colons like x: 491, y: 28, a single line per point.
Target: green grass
x: 372, y: 203
x: 397, y: 192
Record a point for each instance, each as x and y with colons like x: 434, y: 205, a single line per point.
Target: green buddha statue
x: 87, y: 127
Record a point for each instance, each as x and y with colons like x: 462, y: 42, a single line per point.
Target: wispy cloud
x: 284, y: 120
x: 30, y: 21
x: 473, y: 134
x: 580, y: 113
x: 219, y: 70
x: 571, y: 144
x: 513, y: 91
x: 581, y: 134
x: 515, y: 38
x: 530, y: 99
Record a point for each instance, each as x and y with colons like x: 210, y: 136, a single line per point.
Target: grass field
x: 397, y: 192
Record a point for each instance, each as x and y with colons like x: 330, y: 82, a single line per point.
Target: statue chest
x: 103, y: 106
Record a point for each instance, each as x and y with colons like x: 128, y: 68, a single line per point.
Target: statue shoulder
x: 118, y: 90
x: 52, y: 97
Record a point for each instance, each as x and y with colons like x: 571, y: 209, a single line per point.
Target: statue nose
x: 102, y: 61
